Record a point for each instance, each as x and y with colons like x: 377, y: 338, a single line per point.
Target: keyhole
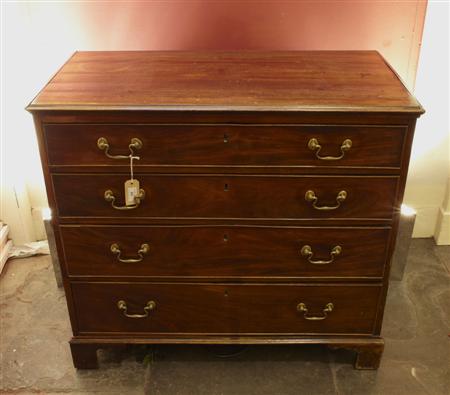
x: 225, y: 188
x: 225, y: 237
x: 225, y: 138
x: 225, y: 294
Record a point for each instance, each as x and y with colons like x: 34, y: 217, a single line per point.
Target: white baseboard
x: 4, y: 252
x: 38, y: 223
x: 442, y: 231
x: 4, y: 231
x: 425, y: 224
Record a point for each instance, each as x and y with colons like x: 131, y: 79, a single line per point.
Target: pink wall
x: 392, y: 27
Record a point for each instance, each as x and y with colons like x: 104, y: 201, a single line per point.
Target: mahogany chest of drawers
x: 268, y: 200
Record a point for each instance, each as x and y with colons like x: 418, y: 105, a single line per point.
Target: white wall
x: 430, y: 161
x: 442, y: 230
x: 27, y: 63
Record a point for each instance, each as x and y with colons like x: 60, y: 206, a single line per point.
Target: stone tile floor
x: 35, y: 356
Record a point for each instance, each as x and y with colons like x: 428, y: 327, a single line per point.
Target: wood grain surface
x: 225, y: 308
x: 225, y: 145
x: 227, y: 196
x: 287, y: 80
x: 213, y: 252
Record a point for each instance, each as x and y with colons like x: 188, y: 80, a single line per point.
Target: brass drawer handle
x: 301, y: 308
x: 145, y: 248
x: 311, y: 197
x: 313, y: 145
x: 135, y: 144
x: 307, y: 252
x: 121, y: 305
x: 109, y: 197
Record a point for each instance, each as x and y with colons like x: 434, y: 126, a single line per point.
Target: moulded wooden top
x: 227, y: 81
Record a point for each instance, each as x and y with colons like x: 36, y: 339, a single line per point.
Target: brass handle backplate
x: 307, y: 252
x: 301, y: 308
x: 135, y: 144
x: 313, y: 145
x: 145, y: 248
x: 121, y: 305
x: 109, y: 197
x: 311, y: 197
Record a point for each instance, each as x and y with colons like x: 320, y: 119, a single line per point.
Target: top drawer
x: 226, y: 145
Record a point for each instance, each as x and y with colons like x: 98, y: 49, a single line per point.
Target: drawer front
x: 225, y: 145
x: 228, y: 196
x: 225, y: 309
x: 221, y: 251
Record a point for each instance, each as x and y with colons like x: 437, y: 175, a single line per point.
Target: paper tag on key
x: 131, y: 191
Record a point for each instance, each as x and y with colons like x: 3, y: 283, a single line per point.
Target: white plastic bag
x: 29, y: 249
